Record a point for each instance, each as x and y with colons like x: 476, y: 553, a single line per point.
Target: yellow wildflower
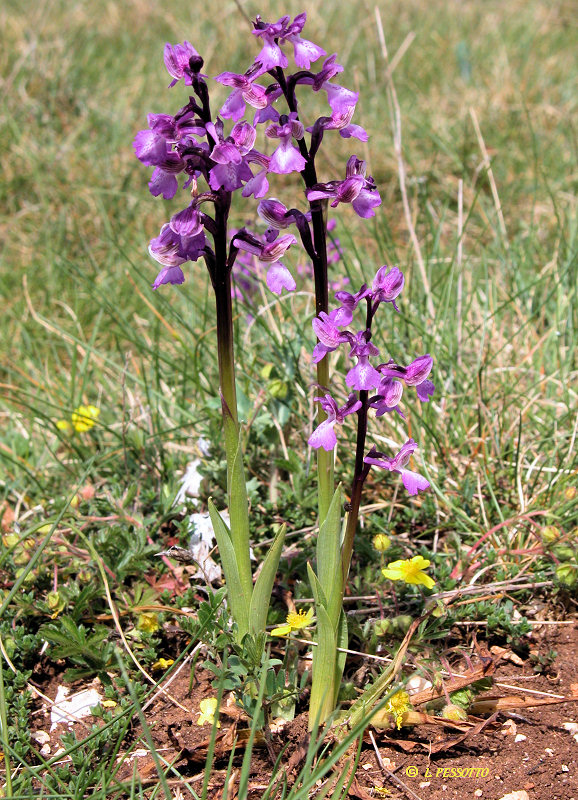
x: 84, y: 418
x: 147, y: 622
x: 108, y: 703
x: 399, y: 705
x: 208, y: 710
x: 64, y: 425
x: 410, y: 571
x: 296, y: 621
x: 163, y: 663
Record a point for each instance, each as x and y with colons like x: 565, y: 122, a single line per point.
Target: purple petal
x: 323, y: 436
x: 363, y: 376
x: 187, y: 222
x: 234, y: 106
x: 339, y: 98
x: 279, y: 278
x: 164, y: 183
x: 150, y: 148
x: 286, y: 159
x: 366, y: 201
x: 172, y: 275
x: 425, y: 390
x: 413, y: 482
x: 257, y: 186
x: 355, y: 131
x: 306, y: 52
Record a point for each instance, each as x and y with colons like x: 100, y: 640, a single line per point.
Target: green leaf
x: 261, y: 597
x: 328, y: 544
x: 238, y: 508
x: 316, y: 588
x: 322, y: 700
x: 342, y: 641
x: 238, y: 600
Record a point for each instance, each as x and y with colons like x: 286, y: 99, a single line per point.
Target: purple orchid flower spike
x: 275, y: 213
x: 349, y: 302
x: 387, y: 285
x: 363, y: 376
x: 356, y: 189
x: 182, y: 61
x: 171, y: 250
x: 389, y: 393
x: 270, y: 252
x: 324, y: 435
x: 286, y: 158
x: 245, y: 91
x: 329, y: 335
x: 282, y: 31
x: 412, y: 481
x: 231, y: 168
x: 413, y: 375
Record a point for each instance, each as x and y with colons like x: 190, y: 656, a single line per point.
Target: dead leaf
x: 488, y: 705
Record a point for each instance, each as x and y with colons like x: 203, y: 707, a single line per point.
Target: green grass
x: 81, y: 325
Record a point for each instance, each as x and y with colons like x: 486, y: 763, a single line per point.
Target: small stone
x: 478, y: 793
x: 520, y: 737
x: 522, y: 795
x: 45, y: 750
x: 424, y: 784
x: 366, y: 766
x: 564, y: 768
x: 41, y: 737
x: 549, y: 751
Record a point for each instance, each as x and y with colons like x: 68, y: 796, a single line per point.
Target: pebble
x: 478, y: 793
x: 565, y: 768
x: 520, y: 737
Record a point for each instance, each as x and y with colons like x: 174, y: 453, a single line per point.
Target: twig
x: 396, y: 124
x: 459, y: 257
x: 494, y: 188
x: 389, y: 774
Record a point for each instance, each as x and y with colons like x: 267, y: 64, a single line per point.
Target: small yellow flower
x: 163, y: 663
x: 64, y: 425
x: 399, y: 705
x: 381, y: 542
x: 84, y: 418
x: 147, y: 622
x: 410, y: 571
x: 296, y: 621
x: 108, y: 703
x: 208, y: 710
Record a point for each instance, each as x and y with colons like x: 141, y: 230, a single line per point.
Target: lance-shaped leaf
x: 341, y: 641
x: 317, y: 589
x: 238, y: 506
x: 264, y: 585
x: 239, y: 602
x: 323, y: 684
x: 329, y: 558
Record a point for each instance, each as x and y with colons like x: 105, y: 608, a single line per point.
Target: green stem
x: 236, y: 488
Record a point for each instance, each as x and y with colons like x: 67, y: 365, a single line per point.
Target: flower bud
x: 564, y: 552
x: 454, y: 713
x: 567, y: 574
x: 382, y: 627
x: 381, y: 542
x: 570, y: 492
x: 550, y: 534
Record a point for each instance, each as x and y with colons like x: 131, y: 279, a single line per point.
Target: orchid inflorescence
x: 218, y: 157
x: 385, y: 379
x: 192, y: 144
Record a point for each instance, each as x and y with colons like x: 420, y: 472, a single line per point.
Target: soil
x: 525, y: 750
